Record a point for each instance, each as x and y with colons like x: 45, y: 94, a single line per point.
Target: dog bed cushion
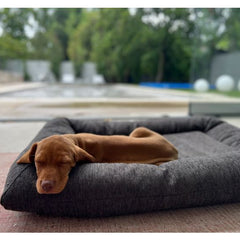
x: 207, y: 171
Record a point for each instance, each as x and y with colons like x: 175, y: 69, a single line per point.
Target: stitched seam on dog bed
x: 212, y: 125
x: 70, y: 124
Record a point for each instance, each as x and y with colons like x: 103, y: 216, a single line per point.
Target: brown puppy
x: 54, y: 156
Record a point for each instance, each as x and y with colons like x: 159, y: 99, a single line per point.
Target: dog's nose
x: 47, y: 185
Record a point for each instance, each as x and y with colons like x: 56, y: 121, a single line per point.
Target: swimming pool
x: 83, y: 91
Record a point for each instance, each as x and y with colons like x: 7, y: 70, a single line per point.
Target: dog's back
x: 141, y: 146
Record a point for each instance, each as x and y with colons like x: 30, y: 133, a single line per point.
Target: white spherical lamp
x: 201, y: 85
x: 225, y: 83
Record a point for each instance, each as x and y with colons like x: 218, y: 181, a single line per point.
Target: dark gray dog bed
x: 207, y: 172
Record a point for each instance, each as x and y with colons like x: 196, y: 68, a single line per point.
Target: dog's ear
x: 81, y: 154
x: 28, y: 157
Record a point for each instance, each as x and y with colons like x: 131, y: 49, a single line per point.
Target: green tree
x: 129, y: 48
x: 158, y: 44
x: 64, y: 20
x: 170, y: 42
x: 13, y: 41
x: 229, y: 40
x: 111, y: 38
x: 14, y: 20
x: 52, y: 37
x: 80, y: 43
x: 12, y: 48
x: 209, y: 37
x: 46, y: 46
x: 117, y: 46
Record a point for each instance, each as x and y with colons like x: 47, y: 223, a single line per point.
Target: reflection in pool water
x: 82, y: 91
x: 101, y: 91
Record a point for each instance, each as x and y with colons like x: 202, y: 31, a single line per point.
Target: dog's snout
x: 47, y: 185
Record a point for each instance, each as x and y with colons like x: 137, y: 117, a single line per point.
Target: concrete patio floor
x: 145, y: 102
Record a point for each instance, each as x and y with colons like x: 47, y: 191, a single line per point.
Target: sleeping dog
x: 55, y: 156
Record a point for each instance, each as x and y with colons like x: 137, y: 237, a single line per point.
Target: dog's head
x: 54, y: 158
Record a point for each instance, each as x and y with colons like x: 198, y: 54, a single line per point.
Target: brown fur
x: 56, y: 155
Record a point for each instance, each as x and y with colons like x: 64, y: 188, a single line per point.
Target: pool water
x: 81, y: 91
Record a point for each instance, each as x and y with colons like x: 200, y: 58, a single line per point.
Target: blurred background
x: 127, y: 45
x: 159, y: 55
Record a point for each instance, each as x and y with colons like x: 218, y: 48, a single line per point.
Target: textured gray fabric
x: 207, y: 172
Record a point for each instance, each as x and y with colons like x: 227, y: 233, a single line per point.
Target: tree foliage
x: 156, y: 44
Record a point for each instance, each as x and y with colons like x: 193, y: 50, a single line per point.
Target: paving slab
x: 15, y: 136
x: 129, y: 101
x: 12, y: 87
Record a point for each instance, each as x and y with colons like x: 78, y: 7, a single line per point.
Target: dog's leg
x: 141, y: 132
x: 168, y: 151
